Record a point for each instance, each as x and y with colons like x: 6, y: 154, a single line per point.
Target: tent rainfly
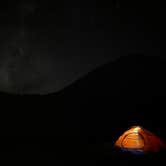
x: 139, y: 140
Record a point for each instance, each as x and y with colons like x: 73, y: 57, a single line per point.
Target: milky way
x: 46, y: 47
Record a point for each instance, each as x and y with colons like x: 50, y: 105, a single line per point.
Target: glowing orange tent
x: 139, y: 140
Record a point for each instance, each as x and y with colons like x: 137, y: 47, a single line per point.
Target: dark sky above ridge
x: 47, y: 45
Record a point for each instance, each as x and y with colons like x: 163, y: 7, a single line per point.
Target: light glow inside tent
x: 139, y: 140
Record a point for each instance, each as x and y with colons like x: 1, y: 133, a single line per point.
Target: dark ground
x: 78, y: 125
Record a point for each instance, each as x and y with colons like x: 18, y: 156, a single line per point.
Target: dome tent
x: 138, y: 140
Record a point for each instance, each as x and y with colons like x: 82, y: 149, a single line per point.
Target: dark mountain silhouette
x: 81, y: 123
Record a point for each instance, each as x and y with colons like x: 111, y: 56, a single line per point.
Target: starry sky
x: 46, y: 47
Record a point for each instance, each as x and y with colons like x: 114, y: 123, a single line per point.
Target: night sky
x: 100, y: 68
x: 46, y: 46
